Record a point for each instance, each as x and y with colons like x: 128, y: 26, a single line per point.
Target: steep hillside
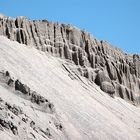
x: 43, y: 97
x: 59, y: 82
x: 116, y: 73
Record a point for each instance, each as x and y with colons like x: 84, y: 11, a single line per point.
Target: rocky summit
x: 65, y: 77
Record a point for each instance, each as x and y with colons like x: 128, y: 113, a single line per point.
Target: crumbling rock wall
x: 114, y: 71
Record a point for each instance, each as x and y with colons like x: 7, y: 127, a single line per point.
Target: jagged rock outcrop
x: 93, y: 57
x: 13, y: 118
x: 27, y: 93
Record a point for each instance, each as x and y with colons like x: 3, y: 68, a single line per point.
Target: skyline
x: 116, y: 22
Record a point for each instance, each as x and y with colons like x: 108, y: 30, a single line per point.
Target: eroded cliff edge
x: 116, y: 73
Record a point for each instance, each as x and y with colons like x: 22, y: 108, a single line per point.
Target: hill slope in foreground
x: 42, y: 98
x: 58, y: 82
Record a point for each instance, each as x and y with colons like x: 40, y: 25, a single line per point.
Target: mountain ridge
x: 116, y: 72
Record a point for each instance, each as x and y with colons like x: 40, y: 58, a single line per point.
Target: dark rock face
x: 102, y: 77
x: 23, y: 88
x: 15, y: 109
x: 9, y: 125
x: 107, y: 87
x: 64, y: 41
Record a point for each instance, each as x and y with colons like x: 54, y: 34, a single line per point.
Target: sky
x: 116, y: 21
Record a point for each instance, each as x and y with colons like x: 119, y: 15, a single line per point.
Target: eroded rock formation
x: 26, y: 93
x: 114, y: 71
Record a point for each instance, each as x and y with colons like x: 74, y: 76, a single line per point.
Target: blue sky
x: 117, y: 21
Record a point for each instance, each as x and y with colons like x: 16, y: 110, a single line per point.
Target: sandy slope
x: 84, y: 110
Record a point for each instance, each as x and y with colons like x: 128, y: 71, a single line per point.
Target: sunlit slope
x: 84, y: 110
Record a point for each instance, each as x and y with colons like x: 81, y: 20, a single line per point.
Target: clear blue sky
x: 117, y: 21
